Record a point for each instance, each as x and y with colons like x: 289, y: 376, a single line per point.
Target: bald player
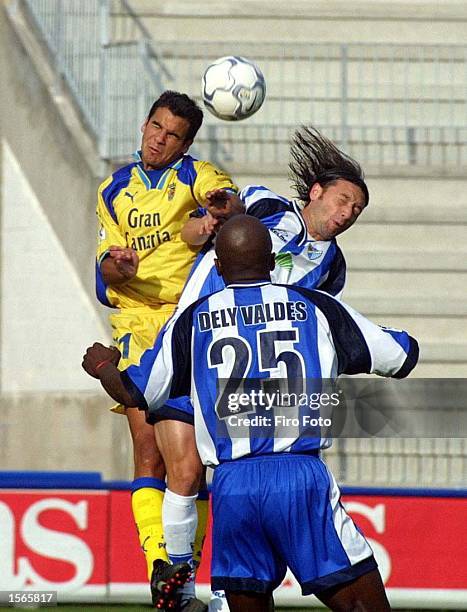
x: 275, y: 503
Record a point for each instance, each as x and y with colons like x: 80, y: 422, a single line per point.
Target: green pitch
x: 121, y: 608
x: 139, y: 607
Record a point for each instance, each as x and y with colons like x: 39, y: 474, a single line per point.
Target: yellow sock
x: 202, y: 506
x: 146, y: 503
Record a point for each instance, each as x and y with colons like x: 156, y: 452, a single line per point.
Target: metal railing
x: 111, y: 69
x: 403, y: 105
x: 76, y: 58
x: 396, y: 105
x: 400, y: 462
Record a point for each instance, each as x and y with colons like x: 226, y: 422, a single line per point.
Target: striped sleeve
x: 363, y: 347
x: 164, y: 370
x: 261, y: 202
x: 152, y: 377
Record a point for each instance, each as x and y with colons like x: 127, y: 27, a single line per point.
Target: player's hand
x: 223, y: 204
x: 208, y: 225
x: 97, y: 356
x: 126, y: 261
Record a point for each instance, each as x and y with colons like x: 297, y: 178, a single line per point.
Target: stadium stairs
x: 53, y: 415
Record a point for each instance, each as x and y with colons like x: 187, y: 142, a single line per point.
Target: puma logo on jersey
x: 130, y: 195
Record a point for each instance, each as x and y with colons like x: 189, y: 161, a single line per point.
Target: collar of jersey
x: 240, y: 284
x: 302, y: 237
x: 155, y: 179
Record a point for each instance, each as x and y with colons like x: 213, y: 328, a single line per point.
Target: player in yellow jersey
x: 141, y: 267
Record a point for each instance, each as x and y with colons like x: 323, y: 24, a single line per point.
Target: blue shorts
x: 179, y: 409
x: 274, y: 511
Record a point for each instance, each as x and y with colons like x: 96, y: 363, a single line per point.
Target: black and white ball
x: 233, y: 88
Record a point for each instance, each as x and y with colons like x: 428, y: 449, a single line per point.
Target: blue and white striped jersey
x: 300, y: 260
x: 260, y: 331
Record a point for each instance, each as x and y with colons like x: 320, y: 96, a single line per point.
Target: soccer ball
x: 233, y: 88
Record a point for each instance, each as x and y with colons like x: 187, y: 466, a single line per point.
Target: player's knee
x: 184, y: 476
x: 364, y: 594
x: 146, y: 454
x: 148, y: 462
x: 355, y: 605
x: 253, y: 602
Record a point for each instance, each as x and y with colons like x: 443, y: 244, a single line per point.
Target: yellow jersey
x: 145, y: 210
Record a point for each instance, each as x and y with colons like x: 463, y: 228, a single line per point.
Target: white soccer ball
x: 233, y: 88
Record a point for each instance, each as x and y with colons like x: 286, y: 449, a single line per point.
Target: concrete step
x: 400, y: 246
x: 388, y: 260
x: 329, y: 20
x: 284, y: 69
x: 420, y: 461
x: 442, y: 339
x: 440, y: 370
x: 407, y: 284
x: 374, y: 306
x: 439, y: 329
x: 431, y: 352
x: 416, y: 214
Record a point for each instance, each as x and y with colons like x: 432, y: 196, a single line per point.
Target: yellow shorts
x: 134, y: 330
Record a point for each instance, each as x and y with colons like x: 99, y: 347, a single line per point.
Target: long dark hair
x: 315, y: 159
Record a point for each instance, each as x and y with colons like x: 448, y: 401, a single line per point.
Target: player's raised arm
x: 197, y: 230
x: 220, y: 205
x: 164, y: 370
x: 101, y: 362
x: 223, y: 204
x: 392, y: 352
x: 363, y: 347
x: 211, y: 189
x: 151, y: 379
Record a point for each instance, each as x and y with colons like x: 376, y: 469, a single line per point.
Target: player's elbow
x: 127, y: 400
x: 187, y: 234
x: 411, y: 359
x: 190, y: 233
